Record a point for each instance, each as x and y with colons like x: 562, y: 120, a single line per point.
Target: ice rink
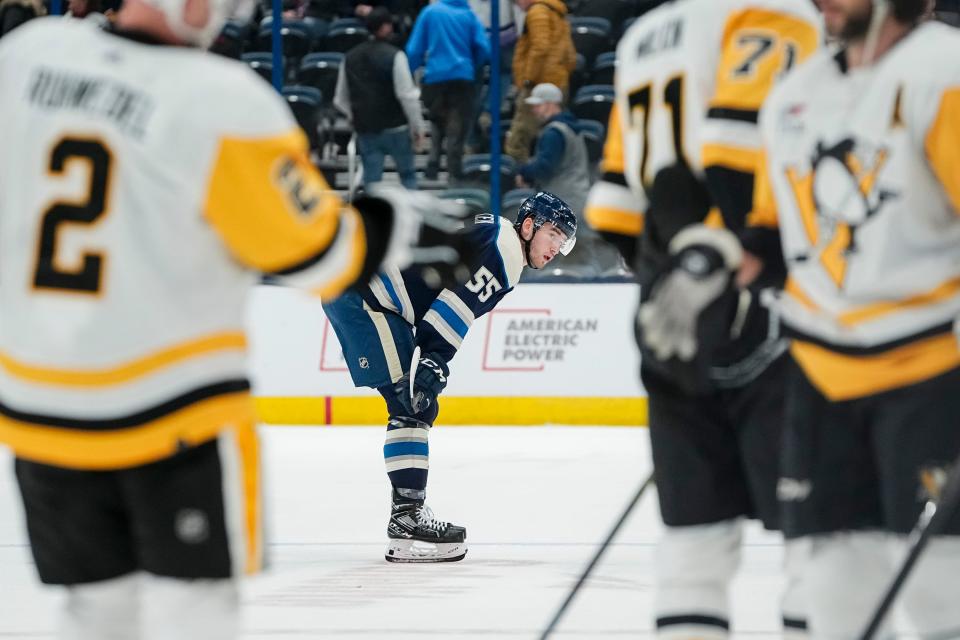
x: 536, y: 501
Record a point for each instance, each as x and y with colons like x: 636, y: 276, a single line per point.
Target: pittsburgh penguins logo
x: 839, y: 194
x: 845, y: 188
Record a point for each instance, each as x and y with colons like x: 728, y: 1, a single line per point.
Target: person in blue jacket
x: 398, y: 335
x: 449, y: 38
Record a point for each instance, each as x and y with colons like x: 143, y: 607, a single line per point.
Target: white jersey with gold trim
x: 142, y: 189
x: 691, y: 76
x: 862, y: 175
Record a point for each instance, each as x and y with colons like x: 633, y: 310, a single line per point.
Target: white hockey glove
x: 702, y: 263
x: 427, y: 232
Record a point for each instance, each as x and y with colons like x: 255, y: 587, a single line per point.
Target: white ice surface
x: 536, y: 502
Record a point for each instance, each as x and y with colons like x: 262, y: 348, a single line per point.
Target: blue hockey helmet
x: 546, y: 207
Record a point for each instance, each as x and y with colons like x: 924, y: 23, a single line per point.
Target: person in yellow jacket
x: 544, y: 53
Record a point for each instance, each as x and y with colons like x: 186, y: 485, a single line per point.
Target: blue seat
x: 260, y: 62
x: 232, y: 40
x: 476, y: 200
x: 599, y: 22
x: 591, y: 36
x: 593, y: 102
x: 478, y: 168
x: 320, y: 70
x: 344, y: 34
x: 305, y: 103
x: 296, y: 38
x: 604, y: 68
x: 615, y: 11
x: 512, y: 200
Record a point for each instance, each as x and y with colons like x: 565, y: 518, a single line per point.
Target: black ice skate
x: 415, y: 535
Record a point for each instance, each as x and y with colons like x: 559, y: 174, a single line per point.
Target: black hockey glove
x: 427, y: 234
x: 699, y: 271
x: 429, y: 375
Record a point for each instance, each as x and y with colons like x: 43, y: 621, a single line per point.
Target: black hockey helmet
x: 545, y: 207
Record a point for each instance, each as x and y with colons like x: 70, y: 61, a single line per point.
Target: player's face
x: 545, y: 245
x: 846, y: 19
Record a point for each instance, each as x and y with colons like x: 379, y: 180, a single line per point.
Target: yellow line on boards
x: 370, y: 410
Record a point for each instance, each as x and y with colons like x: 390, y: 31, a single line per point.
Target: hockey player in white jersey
x: 678, y: 167
x: 859, y: 193
x: 144, y: 186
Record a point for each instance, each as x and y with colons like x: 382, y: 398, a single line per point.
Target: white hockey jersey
x: 862, y: 175
x: 691, y: 76
x: 142, y: 188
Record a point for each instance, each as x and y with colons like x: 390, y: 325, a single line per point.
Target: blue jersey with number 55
x: 442, y: 317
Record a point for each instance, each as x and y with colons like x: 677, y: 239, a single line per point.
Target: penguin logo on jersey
x: 839, y: 195
x: 845, y: 186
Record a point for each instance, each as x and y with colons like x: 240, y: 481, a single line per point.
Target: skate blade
x: 420, y: 551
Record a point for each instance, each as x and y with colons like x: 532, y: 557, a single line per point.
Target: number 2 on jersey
x: 641, y: 101
x: 49, y: 272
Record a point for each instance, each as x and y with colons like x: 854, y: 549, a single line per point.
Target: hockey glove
x: 700, y: 270
x: 427, y: 233
x: 429, y: 375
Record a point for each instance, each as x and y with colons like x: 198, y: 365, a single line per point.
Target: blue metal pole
x: 277, y: 44
x: 495, y: 107
x: 56, y: 7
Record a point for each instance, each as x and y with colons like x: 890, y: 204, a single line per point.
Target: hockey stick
x: 354, y: 169
x: 932, y: 519
x: 596, y: 557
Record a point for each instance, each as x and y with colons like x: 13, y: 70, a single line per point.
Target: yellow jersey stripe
x: 248, y: 446
x: 764, y: 211
x: 736, y: 158
x: 627, y: 223
x: 873, y: 311
x: 121, y: 448
x: 942, y: 151
x: 843, y: 377
x: 128, y: 371
x: 613, y: 158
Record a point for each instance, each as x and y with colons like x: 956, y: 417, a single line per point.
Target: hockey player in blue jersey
x: 398, y: 336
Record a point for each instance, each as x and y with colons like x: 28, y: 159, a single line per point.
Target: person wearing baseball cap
x: 546, y: 93
x: 560, y: 165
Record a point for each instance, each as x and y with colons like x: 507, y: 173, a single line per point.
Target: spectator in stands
x: 449, y: 35
x: 376, y: 91
x: 544, y: 54
x: 560, y: 165
x: 13, y: 13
